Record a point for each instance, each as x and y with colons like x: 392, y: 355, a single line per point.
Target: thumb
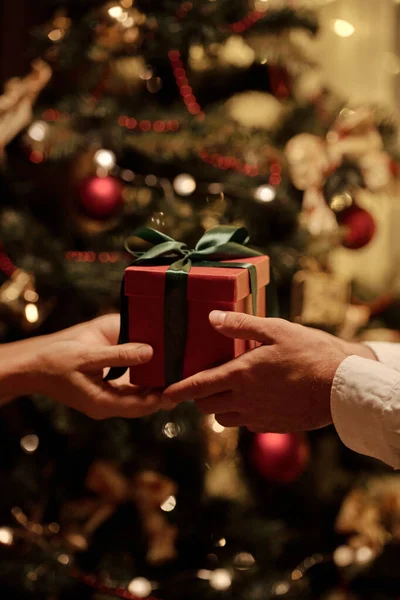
x: 246, y: 327
x: 124, y: 355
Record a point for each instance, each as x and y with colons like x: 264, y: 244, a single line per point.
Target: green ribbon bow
x: 218, y: 244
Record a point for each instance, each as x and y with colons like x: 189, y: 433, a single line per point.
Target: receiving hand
x: 68, y: 367
x: 282, y: 386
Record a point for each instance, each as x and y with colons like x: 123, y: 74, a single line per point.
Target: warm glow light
x: 126, y: 3
x: 6, y: 536
x: 343, y: 556
x: 364, y: 554
x: 128, y: 22
x: 170, y: 430
x: 204, y: 574
x: 30, y: 443
x: 123, y: 17
x: 221, y: 543
x: 265, y: 193
x: 244, y: 561
x: 184, y: 184
x: 105, y: 159
x: 31, y: 313
x: 140, y: 587
x: 56, y: 35
x: 220, y: 579
x: 343, y: 28
x: 31, y: 296
x: 64, y: 559
x: 115, y: 12
x: 169, y: 504
x: 282, y: 588
x: 38, y: 131
x: 215, y: 426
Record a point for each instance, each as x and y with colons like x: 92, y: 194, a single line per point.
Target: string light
x: 169, y: 504
x: 105, y: 159
x: 38, y: 131
x: 215, y: 426
x: 184, y: 184
x: 115, y: 12
x: 140, y: 587
x: 343, y: 556
x: 91, y: 257
x: 30, y: 443
x: 248, y: 21
x: 229, y: 163
x: 182, y: 82
x: 36, y: 156
x: 31, y: 313
x: 343, y: 28
x: 56, y: 35
x: 265, y: 193
x: 6, y: 536
x: 159, y: 126
x: 220, y: 579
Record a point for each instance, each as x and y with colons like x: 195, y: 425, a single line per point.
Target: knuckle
x: 240, y: 321
x: 195, y: 386
x: 124, y: 354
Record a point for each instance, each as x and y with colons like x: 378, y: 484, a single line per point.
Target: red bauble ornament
x: 360, y: 227
x: 100, y: 197
x: 279, y: 457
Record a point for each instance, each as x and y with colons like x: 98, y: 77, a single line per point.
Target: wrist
x: 18, y: 374
x: 362, y: 351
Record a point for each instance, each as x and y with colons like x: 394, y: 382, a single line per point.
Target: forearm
x: 365, y: 405
x: 18, y: 368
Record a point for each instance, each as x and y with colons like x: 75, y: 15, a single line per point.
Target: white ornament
x: 255, y: 109
x: 236, y: 52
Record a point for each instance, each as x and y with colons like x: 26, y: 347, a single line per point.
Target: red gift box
x: 208, y: 288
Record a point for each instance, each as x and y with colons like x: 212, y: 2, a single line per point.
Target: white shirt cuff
x: 387, y: 353
x: 365, y: 407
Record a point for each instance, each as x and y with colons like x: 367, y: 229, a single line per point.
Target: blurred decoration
x: 17, y: 101
x: 101, y: 197
x: 359, y: 227
x: 255, y: 109
x: 279, y: 458
x: 182, y: 116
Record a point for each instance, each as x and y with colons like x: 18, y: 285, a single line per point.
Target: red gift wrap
x: 208, y: 289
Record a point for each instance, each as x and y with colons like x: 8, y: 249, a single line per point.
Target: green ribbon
x: 217, y: 245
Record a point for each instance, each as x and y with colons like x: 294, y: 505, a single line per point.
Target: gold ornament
x: 319, y: 299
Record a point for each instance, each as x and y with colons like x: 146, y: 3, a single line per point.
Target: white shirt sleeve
x: 386, y: 353
x: 365, y: 404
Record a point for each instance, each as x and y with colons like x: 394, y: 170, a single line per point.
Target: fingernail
x: 145, y: 353
x: 217, y: 318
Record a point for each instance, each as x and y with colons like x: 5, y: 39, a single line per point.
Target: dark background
x: 17, y: 17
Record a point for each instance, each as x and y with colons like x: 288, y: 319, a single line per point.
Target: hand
x: 68, y: 367
x: 282, y: 386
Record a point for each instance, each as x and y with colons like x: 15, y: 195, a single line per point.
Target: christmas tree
x: 179, y: 116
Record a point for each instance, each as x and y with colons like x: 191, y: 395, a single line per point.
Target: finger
x: 108, y: 326
x: 218, y: 403
x: 125, y: 355
x: 246, y: 327
x: 230, y: 419
x: 201, y: 385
